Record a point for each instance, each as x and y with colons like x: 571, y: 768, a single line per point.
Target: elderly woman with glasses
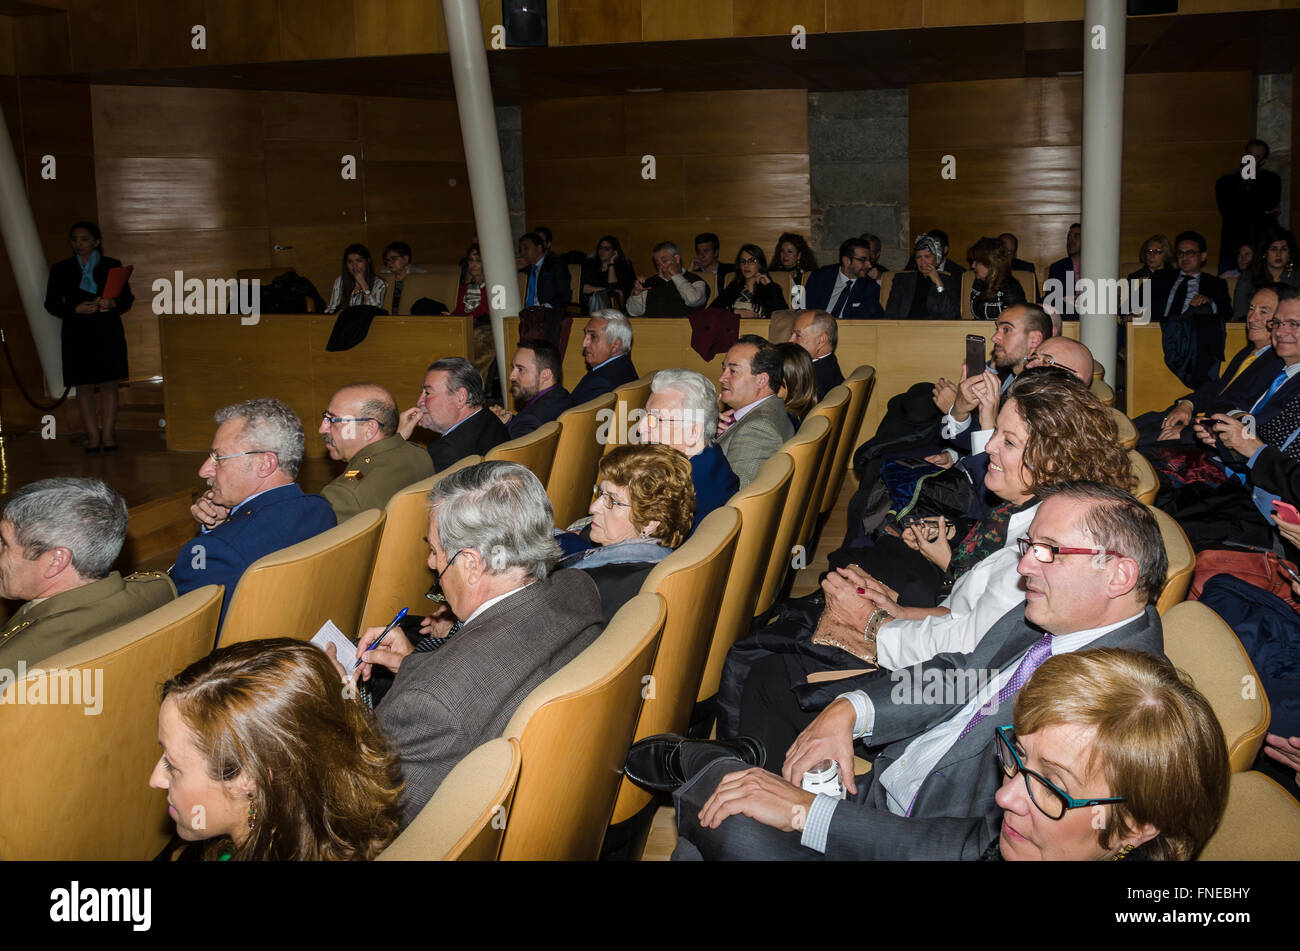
x: 1110, y: 755
x: 1157, y: 254
x: 751, y: 292
x: 642, y: 508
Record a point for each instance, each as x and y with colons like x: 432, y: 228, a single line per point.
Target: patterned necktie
x: 841, y: 300
x: 424, y: 645
x: 1037, y: 653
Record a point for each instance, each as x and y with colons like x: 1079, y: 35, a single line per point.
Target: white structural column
x: 487, y: 183
x: 28, y: 260
x: 1103, y: 153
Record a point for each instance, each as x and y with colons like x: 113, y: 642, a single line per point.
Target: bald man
x: 1064, y: 353
x: 360, y: 425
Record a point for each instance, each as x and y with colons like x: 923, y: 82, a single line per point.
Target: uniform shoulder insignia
x: 17, y: 628
x: 353, y: 474
x: 145, y: 576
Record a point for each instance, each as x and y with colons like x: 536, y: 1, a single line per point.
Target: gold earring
x: 252, y: 811
x: 1122, y: 853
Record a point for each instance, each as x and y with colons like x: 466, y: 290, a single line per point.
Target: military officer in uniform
x: 360, y: 426
x: 58, y: 541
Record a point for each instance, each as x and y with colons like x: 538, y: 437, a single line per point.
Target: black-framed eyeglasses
x: 334, y: 420
x: 434, y: 593
x: 1046, y: 554
x: 743, y: 261
x: 1051, y: 800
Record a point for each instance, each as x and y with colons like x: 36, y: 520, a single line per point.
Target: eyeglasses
x: 1050, y: 800
x: 744, y: 261
x: 609, y: 500
x: 604, y: 247
x: 1188, y: 252
x: 1153, y: 251
x: 434, y: 593
x: 217, y: 460
x: 1290, y: 326
x: 653, y: 418
x: 334, y: 420
x: 1046, y: 554
x: 1046, y: 360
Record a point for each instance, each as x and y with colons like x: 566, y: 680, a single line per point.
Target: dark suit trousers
x: 768, y: 709
x: 739, y: 838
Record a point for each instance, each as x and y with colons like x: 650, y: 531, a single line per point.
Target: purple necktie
x: 1037, y: 653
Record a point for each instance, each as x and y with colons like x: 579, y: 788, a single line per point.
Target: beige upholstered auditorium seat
x: 575, y: 730
x: 1098, y: 371
x: 76, y: 786
x: 967, y: 285
x: 1232, y: 287
x: 441, y: 282
x: 1028, y: 283
x: 292, y: 592
x: 760, y: 504
x: 806, y: 448
x: 401, y: 574
x: 629, y: 406
x: 466, y: 818
x: 534, y: 451
x: 886, y: 285
x: 860, y: 383
x: 576, y: 457
x: 1261, y: 823
x: 1182, y: 561
x: 1202, y: 646
x: 1147, y: 484
x: 783, y: 280
x: 691, y: 579
x: 834, y: 408
x: 1127, y: 432
x: 711, y: 280
x: 1104, y: 392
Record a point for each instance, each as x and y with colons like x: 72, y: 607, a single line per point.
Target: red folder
x: 115, y: 282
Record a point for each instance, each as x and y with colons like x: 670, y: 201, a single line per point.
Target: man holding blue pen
x: 491, y: 542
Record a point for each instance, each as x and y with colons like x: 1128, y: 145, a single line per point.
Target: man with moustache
x: 251, y: 469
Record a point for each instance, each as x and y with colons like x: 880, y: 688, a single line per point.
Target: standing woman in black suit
x: 94, y: 345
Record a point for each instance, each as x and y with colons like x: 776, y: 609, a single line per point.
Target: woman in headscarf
x: 926, y: 293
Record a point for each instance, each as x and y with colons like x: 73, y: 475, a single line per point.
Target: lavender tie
x: 1037, y: 653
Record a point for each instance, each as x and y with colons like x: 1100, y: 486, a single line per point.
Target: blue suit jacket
x: 715, y: 483
x: 273, y: 520
x: 605, y: 379
x: 864, y: 296
x: 541, y: 409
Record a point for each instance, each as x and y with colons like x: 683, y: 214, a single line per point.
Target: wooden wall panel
x: 300, y: 115
x: 416, y: 192
x: 411, y: 130
x: 310, y: 191
x: 8, y: 62
x: 103, y: 34
x: 964, y: 13
x: 1018, y: 166
x: 735, y: 163
x: 317, y: 29
x: 243, y: 31
x: 400, y: 27
x: 149, y: 194
x: 163, y: 32
x: 160, y: 121
x: 777, y: 17
x: 583, y: 22
x: 685, y: 19
x: 856, y: 15
x: 42, y: 44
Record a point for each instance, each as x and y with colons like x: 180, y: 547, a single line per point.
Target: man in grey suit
x: 931, y: 791
x: 755, y: 425
x: 491, y: 541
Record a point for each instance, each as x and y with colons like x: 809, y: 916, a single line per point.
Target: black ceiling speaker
x: 1146, y: 8
x: 525, y: 22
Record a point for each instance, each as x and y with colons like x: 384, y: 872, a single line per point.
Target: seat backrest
x: 1104, y: 392
x: 1261, y: 823
x: 1028, y: 283
x: 806, y: 448
x: 860, y: 383
x: 77, y: 782
x: 1232, y: 287
x: 1200, y: 644
x: 1147, y: 484
x: 1098, y: 371
x: 575, y: 729
x: 629, y: 407
x: 292, y: 592
x: 711, y: 279
x: 886, y: 285
x: 967, y: 285
x: 1127, y: 432
x: 1182, y: 561
x: 401, y: 574
x: 691, y: 580
x: 576, y: 457
x: 783, y: 280
x: 534, y: 451
x: 441, y: 282
x: 466, y: 818
x: 760, y: 504
x: 834, y: 407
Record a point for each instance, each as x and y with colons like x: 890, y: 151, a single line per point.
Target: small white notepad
x: 343, y: 648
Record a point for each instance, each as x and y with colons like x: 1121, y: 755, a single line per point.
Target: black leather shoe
x: 655, y: 763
